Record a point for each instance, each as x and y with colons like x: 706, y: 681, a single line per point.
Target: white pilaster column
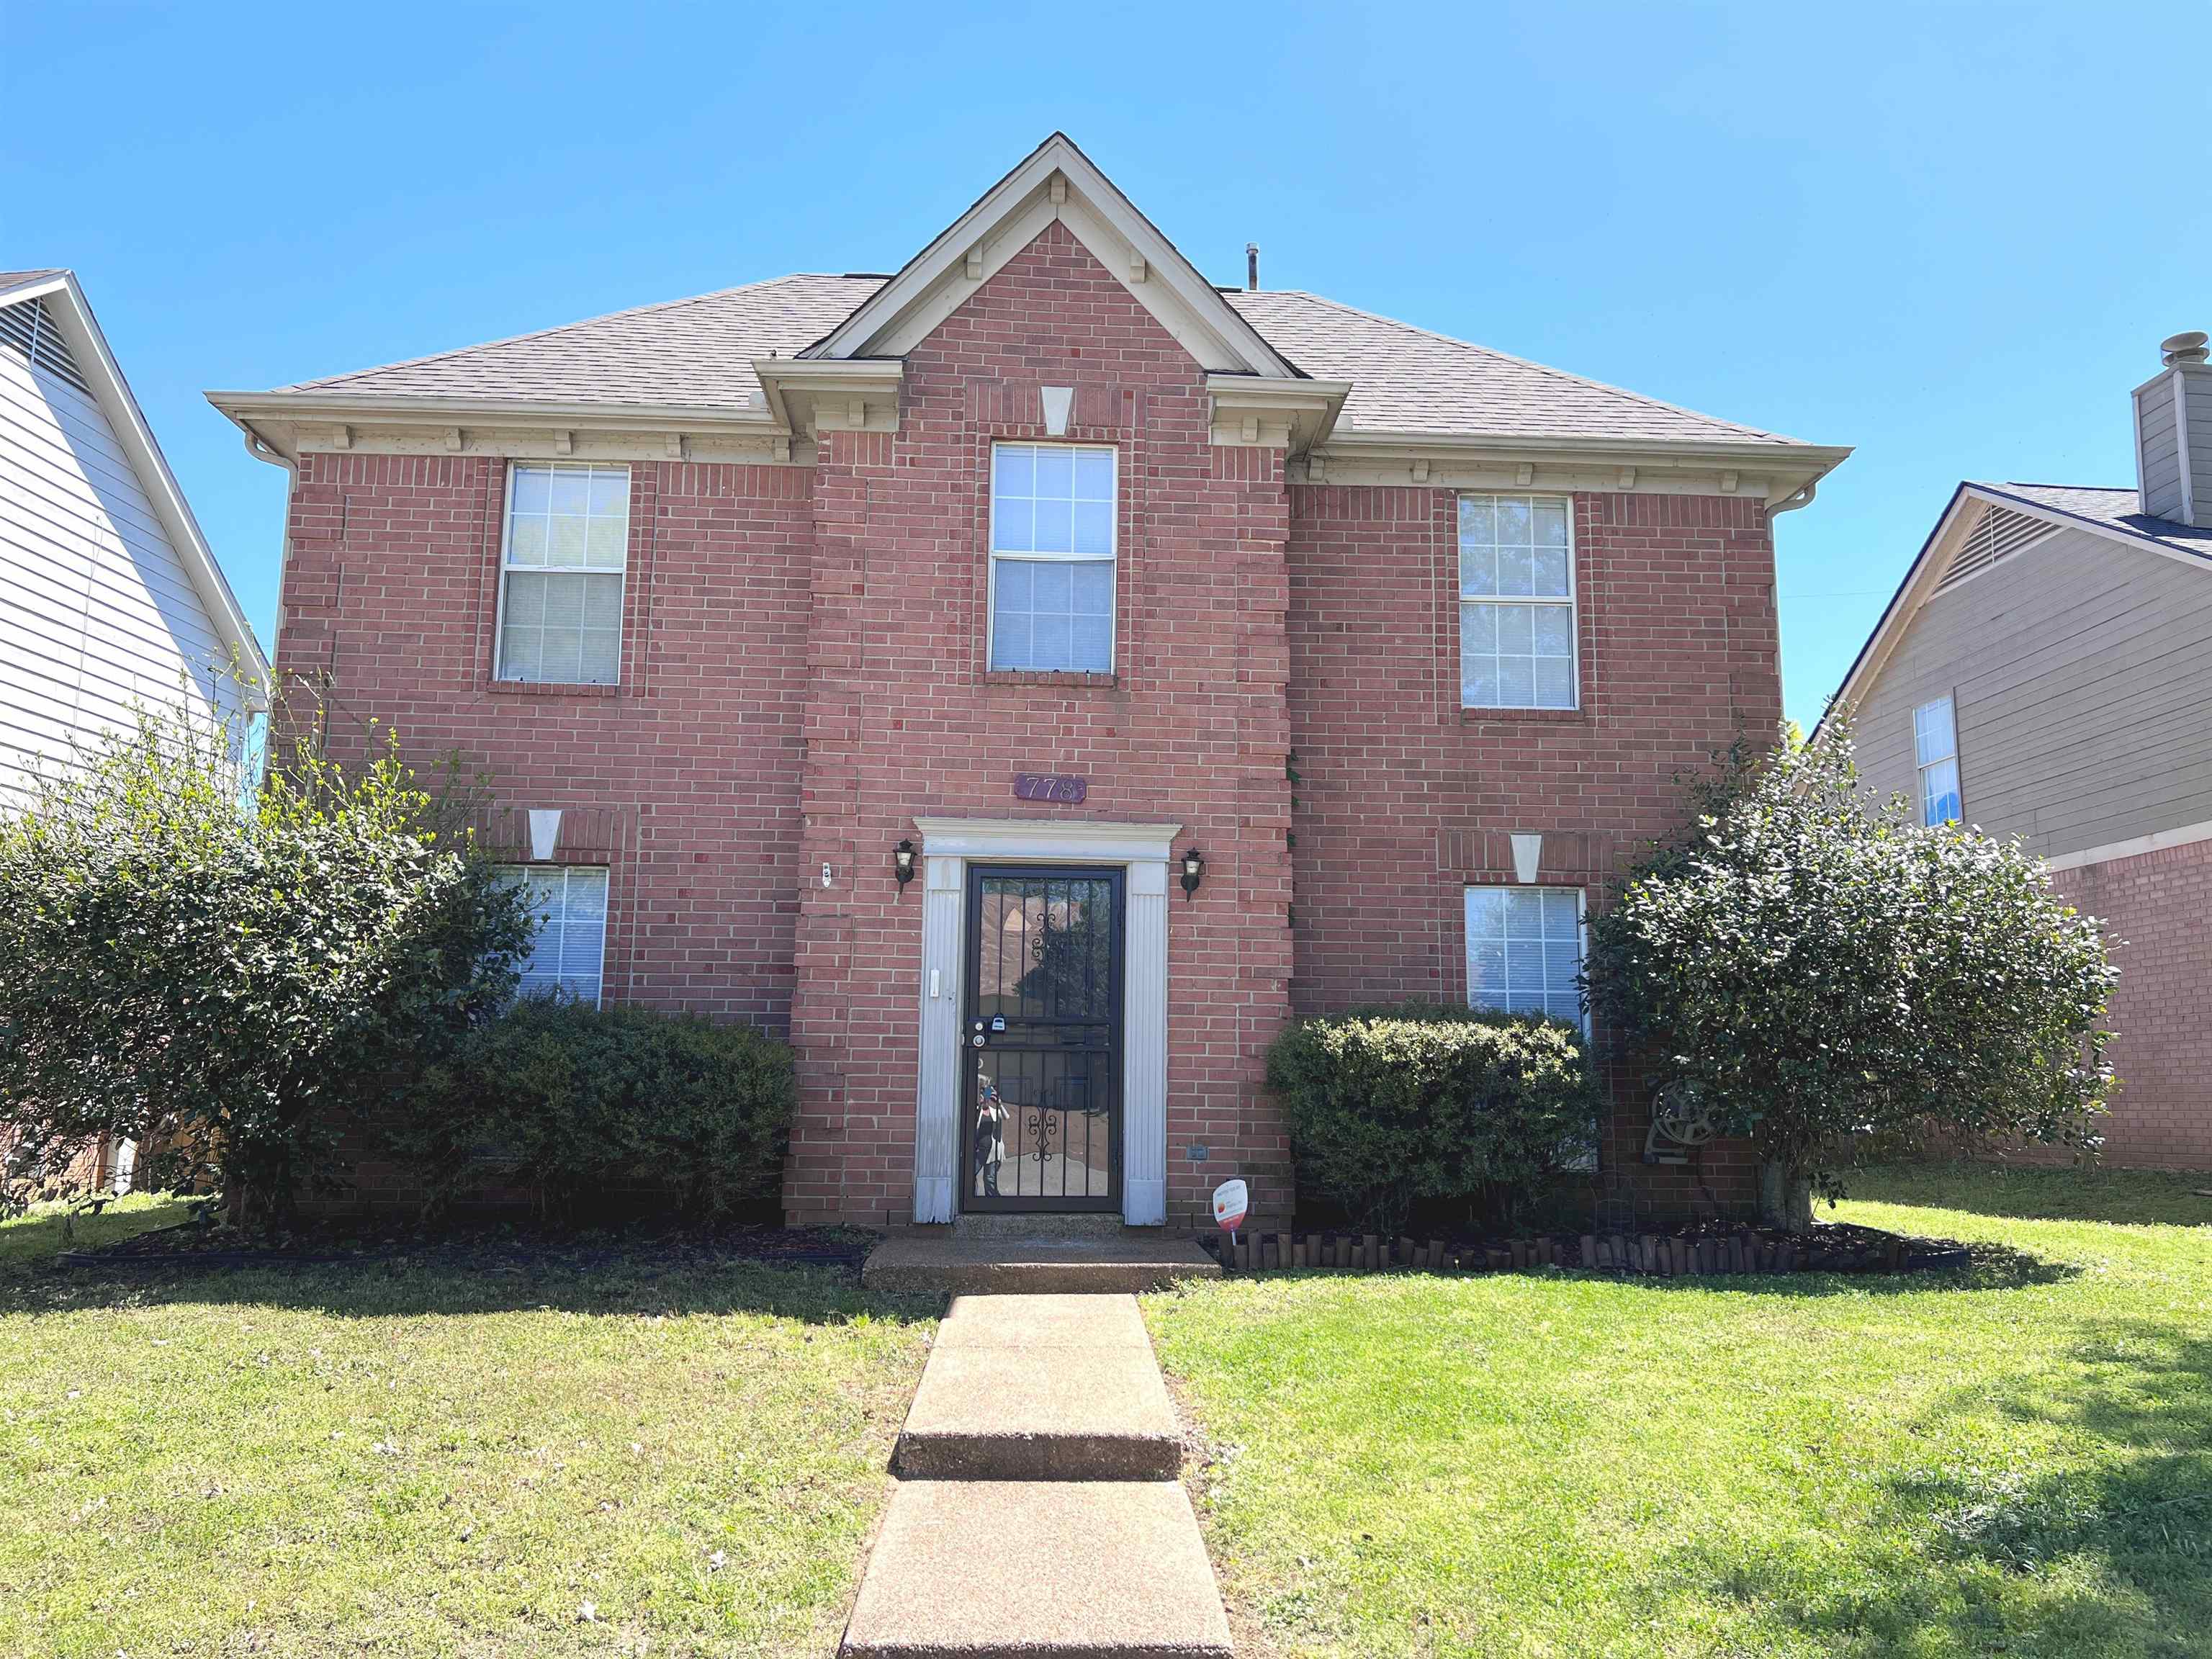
x: 1145, y: 1046
x: 936, y: 1105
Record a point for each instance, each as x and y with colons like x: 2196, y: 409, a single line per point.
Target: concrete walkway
x: 1037, y: 1509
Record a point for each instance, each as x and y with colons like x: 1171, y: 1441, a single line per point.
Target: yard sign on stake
x: 1231, y: 1201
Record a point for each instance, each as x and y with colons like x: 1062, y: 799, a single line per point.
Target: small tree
x: 231, y: 974
x: 1821, y: 973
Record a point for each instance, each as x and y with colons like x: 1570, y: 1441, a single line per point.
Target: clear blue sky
x: 1950, y: 235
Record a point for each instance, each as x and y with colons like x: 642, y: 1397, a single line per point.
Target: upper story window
x: 1516, y: 602
x: 1936, y: 749
x: 1052, y: 557
x: 561, y: 573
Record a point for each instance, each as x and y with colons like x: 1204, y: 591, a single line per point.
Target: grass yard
x: 414, y: 1458
x: 2015, y: 1461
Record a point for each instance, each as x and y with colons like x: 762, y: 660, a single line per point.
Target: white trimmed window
x: 569, y: 956
x: 1052, y: 558
x: 562, y: 559
x: 1516, y: 602
x: 1935, y: 751
x: 1524, y: 949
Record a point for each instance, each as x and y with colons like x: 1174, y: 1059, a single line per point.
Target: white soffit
x: 1057, y: 181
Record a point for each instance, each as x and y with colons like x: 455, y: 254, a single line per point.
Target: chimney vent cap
x: 2179, y: 348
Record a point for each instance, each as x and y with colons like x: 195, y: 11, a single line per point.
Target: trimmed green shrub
x: 571, y: 1100
x: 1462, y: 1117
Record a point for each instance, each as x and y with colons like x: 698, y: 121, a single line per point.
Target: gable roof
x: 2106, y: 512
x: 696, y: 353
x: 1374, y: 386
x: 1055, y: 181
x: 65, y: 306
x: 1409, y: 380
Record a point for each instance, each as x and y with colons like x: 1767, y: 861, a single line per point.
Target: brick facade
x: 805, y: 674
x: 2153, y: 906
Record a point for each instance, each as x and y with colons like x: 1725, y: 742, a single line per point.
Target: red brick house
x: 1203, y: 657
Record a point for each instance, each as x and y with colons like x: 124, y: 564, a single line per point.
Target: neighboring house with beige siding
x: 109, y: 595
x: 2045, y: 670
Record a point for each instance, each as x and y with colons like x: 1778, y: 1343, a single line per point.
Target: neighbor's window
x: 569, y: 953
x: 1052, y: 557
x: 1524, y: 948
x: 561, y: 574
x: 1936, y: 748
x: 1516, y: 602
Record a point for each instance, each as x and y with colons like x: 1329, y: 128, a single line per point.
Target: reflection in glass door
x: 1042, y: 1060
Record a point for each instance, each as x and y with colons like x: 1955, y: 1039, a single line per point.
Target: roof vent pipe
x: 2179, y: 348
x: 1252, y: 270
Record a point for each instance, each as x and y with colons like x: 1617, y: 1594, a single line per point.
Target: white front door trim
x: 948, y: 845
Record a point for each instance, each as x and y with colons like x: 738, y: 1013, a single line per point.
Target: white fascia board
x: 1791, y: 469
x: 1005, y: 219
x: 69, y: 307
x: 367, y: 407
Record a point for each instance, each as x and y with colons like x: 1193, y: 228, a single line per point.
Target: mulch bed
x: 1710, y: 1248
x: 191, y: 1244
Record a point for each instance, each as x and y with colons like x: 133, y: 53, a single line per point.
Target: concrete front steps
x: 1037, y: 1510
x: 1037, y: 1255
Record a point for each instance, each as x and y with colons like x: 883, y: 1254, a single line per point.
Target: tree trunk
x: 1785, y: 1197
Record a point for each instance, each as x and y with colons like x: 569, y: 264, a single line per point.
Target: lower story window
x: 1524, y: 951
x: 569, y: 956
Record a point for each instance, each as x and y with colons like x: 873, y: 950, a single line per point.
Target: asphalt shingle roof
x: 17, y: 278
x: 2116, y: 508
x: 699, y: 352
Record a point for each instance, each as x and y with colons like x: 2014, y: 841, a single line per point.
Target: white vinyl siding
x: 1516, y: 611
x: 1524, y: 951
x: 97, y: 610
x: 564, y: 553
x: 569, y: 956
x: 1053, y: 536
x: 1936, y: 748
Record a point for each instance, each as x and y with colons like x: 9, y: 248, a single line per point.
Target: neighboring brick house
x: 2044, y: 670
x: 1199, y: 652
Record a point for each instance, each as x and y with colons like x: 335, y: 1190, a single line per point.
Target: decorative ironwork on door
x: 1042, y: 1037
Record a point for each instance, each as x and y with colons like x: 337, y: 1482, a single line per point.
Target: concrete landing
x: 1081, y: 1570
x: 1041, y: 1388
x: 933, y: 1263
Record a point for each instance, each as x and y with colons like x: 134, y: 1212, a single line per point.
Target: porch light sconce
x: 902, y: 864
x: 1194, y: 870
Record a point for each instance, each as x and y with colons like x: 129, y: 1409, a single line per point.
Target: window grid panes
x: 569, y: 955
x: 1524, y: 950
x: 561, y: 582
x: 1516, y: 613
x: 1052, y: 558
x: 1935, y: 751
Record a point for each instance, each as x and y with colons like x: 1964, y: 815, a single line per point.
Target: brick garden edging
x: 1831, y: 1250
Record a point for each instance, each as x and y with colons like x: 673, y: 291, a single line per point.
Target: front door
x: 1042, y: 1040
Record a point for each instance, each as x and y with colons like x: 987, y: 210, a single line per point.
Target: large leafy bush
x: 571, y: 1101
x: 229, y: 973
x: 1444, y: 1113
x: 1822, y: 975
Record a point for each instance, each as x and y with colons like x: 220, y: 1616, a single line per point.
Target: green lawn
x: 403, y: 1459
x: 2019, y: 1461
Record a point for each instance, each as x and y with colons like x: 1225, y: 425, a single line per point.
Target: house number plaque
x: 1045, y: 786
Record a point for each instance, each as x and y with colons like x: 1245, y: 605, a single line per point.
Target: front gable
x: 1056, y: 183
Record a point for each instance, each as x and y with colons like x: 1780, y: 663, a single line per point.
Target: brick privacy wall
x: 1395, y: 816
x: 905, y: 718
x: 2153, y: 906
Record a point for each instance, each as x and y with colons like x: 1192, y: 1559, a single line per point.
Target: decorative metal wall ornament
x: 1681, y: 1122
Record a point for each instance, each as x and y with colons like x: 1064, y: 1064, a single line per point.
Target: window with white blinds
x: 1052, y: 557
x: 1516, y: 602
x: 561, y: 574
x: 569, y: 955
x: 1524, y: 951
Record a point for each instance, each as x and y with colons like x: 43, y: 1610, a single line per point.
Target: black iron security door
x: 1041, y: 1104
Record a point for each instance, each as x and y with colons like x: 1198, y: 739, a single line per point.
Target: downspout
x: 262, y: 450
